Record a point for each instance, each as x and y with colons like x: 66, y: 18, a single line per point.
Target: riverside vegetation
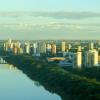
x: 70, y: 84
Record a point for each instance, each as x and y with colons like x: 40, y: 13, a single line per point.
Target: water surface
x: 15, y: 85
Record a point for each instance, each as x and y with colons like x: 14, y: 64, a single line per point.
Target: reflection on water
x: 14, y: 85
x: 37, y: 84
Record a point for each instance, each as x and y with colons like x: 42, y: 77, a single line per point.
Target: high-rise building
x: 69, y: 46
x: 15, y: 49
x: 41, y: 47
x: 18, y: 44
x: 96, y: 58
x: 77, y: 60
x: 8, y: 45
x: 48, y: 47
x: 27, y: 48
x: 34, y: 48
x: 31, y: 49
x: 9, y: 41
x: 20, y: 50
x: 53, y: 48
x: 91, y: 58
x: 11, y: 45
x: 5, y: 46
x: 91, y: 46
x: 63, y: 46
x: 79, y: 48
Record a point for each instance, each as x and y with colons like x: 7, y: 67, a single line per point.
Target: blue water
x: 14, y: 85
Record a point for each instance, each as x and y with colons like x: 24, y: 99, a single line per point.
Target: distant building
x: 15, y: 50
x: 5, y: 46
x: 9, y: 41
x: 53, y: 49
x: 65, y: 63
x: 69, y: 46
x: 41, y: 47
x: 34, y: 48
x: 48, y: 47
x: 18, y: 44
x: 63, y: 46
x: 79, y: 48
x: 51, y: 59
x: 20, y: 51
x: 27, y: 48
x: 61, y: 54
x: 91, y: 46
x: 11, y: 45
x: 8, y: 45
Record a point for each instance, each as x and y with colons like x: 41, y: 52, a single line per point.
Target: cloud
x: 56, y: 15
x: 68, y: 15
x: 56, y: 26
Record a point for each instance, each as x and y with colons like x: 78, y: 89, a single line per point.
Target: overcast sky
x: 50, y: 19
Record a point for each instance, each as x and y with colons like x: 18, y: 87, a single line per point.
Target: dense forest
x: 70, y: 84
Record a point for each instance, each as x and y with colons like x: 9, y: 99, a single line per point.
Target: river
x: 15, y: 85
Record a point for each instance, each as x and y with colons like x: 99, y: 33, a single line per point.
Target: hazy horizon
x: 50, y: 19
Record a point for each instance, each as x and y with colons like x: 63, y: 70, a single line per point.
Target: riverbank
x: 68, y: 85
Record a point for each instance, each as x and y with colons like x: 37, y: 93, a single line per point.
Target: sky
x: 50, y: 19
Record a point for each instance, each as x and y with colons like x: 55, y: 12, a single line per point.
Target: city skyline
x: 49, y: 19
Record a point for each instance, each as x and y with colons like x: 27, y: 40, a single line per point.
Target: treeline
x: 92, y: 73
x: 68, y: 85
